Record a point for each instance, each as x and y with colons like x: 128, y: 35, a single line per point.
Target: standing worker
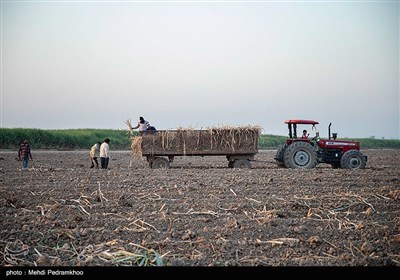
x: 94, y: 154
x: 24, y: 153
x: 143, y: 125
x: 104, y: 154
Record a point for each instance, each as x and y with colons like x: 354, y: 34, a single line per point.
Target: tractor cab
x: 292, y: 126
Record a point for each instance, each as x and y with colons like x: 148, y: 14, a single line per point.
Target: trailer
x: 238, y: 144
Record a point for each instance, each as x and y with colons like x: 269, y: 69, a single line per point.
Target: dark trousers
x: 94, y: 160
x: 104, y: 162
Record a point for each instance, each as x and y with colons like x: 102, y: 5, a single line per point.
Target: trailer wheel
x: 353, y: 159
x: 160, y: 162
x: 242, y: 163
x: 300, y: 155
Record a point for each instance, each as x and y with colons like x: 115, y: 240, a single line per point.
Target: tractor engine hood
x: 339, y: 144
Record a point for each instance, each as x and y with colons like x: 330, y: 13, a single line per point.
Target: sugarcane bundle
x: 186, y: 141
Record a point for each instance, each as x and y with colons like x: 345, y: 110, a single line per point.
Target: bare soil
x: 60, y: 212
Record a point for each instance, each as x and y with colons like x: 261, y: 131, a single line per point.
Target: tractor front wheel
x: 353, y: 159
x: 300, y: 155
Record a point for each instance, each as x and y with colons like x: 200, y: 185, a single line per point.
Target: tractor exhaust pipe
x: 329, y: 131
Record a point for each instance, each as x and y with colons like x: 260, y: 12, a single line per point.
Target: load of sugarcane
x: 186, y: 141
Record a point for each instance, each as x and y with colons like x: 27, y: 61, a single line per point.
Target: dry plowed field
x: 197, y: 213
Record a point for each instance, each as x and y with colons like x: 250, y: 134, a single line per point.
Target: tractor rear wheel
x: 279, y: 157
x: 353, y: 159
x: 300, y: 155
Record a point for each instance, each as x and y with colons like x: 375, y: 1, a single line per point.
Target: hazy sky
x: 94, y: 64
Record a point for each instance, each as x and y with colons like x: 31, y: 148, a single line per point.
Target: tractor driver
x: 305, y: 135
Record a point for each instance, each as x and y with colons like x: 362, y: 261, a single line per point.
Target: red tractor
x: 305, y: 152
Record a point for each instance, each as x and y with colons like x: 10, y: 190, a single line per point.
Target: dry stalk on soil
x: 13, y: 252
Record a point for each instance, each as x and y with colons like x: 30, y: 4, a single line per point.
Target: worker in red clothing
x: 24, y: 154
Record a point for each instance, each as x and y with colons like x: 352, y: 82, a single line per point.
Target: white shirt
x: 142, y: 126
x: 104, y: 148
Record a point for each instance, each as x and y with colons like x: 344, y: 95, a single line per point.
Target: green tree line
x: 77, y: 139
x: 63, y: 139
